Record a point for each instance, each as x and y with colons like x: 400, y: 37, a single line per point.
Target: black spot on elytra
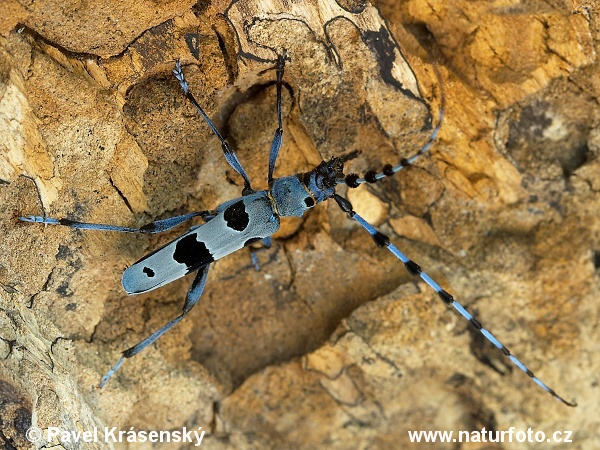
x: 192, y: 253
x: 308, y: 201
x: 236, y: 216
x: 251, y: 241
x: 149, y: 272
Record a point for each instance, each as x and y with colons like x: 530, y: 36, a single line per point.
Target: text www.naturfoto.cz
x: 483, y: 435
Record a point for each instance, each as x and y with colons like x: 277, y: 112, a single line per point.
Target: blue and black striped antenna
x: 354, y: 180
x: 414, y: 269
x: 372, y: 176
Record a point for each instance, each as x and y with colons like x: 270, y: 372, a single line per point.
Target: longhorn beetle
x: 254, y: 217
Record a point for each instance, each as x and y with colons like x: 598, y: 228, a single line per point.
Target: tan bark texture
x: 332, y: 344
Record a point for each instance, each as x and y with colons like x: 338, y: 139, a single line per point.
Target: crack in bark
x: 379, y: 356
x: 43, y: 289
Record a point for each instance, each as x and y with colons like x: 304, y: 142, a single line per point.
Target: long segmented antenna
x: 414, y: 269
x: 353, y: 180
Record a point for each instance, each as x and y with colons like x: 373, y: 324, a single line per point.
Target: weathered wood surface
x: 331, y: 344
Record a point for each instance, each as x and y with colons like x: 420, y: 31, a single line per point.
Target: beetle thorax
x: 294, y: 195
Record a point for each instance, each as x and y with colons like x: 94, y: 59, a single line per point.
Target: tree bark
x: 332, y: 343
